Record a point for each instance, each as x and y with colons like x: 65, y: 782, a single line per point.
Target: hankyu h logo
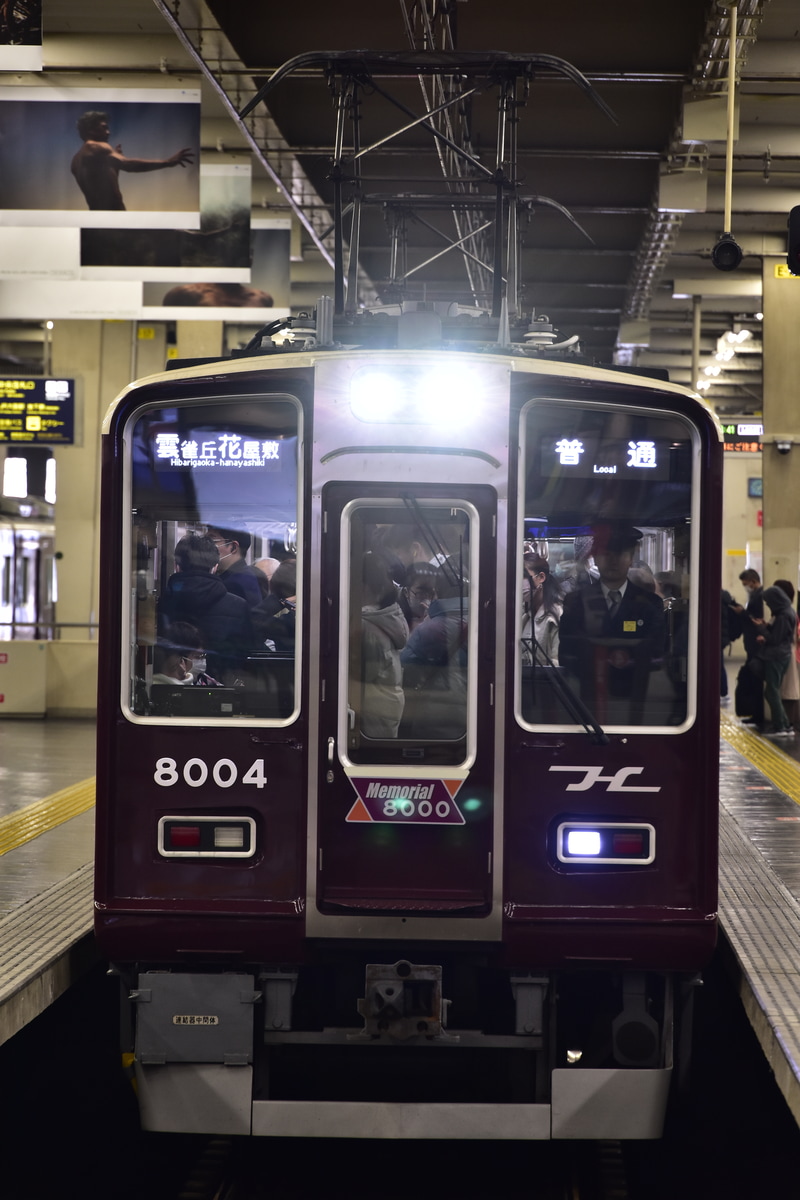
x: 616, y: 782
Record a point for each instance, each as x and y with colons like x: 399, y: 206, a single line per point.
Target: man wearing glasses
x: 234, y: 571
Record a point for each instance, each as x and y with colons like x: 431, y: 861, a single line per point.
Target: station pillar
x: 104, y: 356
x: 199, y: 339
x: 98, y: 355
x: 781, y: 471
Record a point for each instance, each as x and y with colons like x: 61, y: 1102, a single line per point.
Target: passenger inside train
x: 623, y: 638
x: 194, y: 594
x: 435, y: 661
x: 384, y: 634
x: 209, y: 488
x: 612, y: 634
x: 240, y: 577
x: 180, y: 658
x: 409, y: 630
x: 543, y: 604
x: 418, y: 593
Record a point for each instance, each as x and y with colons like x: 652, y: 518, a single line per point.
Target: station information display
x: 36, y: 411
x: 743, y: 437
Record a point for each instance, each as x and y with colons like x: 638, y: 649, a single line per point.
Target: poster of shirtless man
x: 97, y: 164
x: 119, y: 158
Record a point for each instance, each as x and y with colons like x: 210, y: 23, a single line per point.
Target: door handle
x: 331, y: 750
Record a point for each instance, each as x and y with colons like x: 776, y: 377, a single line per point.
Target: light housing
x: 615, y: 843
x: 727, y: 254
x: 427, y: 395
x: 206, y: 837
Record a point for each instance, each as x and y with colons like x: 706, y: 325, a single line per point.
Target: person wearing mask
x: 545, y: 605
x: 776, y: 642
x: 234, y: 571
x: 179, y: 658
x: 418, y: 592
x: 194, y: 594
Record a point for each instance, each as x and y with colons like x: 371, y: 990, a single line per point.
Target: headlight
x: 377, y: 395
x: 439, y: 395
x: 611, y: 842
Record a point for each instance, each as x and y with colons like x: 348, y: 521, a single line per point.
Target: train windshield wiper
x: 571, y: 701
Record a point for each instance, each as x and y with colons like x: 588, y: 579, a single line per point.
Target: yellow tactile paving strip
x: 19, y: 827
x: 783, y: 771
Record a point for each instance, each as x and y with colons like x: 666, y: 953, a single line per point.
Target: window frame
x: 516, y: 554
x: 409, y: 767
x: 128, y: 631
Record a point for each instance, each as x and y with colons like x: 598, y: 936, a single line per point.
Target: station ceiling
x: 646, y: 193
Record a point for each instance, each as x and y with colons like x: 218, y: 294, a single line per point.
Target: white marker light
x: 583, y: 842
x: 228, y: 837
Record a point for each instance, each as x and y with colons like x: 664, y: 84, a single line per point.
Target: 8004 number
x: 195, y: 772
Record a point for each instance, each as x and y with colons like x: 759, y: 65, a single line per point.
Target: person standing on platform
x: 731, y: 629
x: 776, y: 642
x: 750, y: 680
x: 790, y: 688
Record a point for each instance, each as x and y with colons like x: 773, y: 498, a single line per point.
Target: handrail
x: 92, y: 626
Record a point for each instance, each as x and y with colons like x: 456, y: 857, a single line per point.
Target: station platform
x: 46, y: 848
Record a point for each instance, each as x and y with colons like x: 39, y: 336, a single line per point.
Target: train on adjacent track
x: 404, y: 866
x: 27, y: 569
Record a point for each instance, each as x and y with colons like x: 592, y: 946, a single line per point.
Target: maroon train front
x: 412, y: 830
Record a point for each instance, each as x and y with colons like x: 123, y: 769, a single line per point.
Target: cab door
x: 405, y: 788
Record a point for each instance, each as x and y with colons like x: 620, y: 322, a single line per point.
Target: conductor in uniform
x: 612, y: 633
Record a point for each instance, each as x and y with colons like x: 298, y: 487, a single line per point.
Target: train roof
x: 517, y: 362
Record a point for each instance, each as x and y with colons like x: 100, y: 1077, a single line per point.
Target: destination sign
x: 622, y: 458
x: 216, y: 450
x: 35, y: 411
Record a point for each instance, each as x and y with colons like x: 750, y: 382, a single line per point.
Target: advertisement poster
x: 83, y: 300
x: 21, y: 35
x: 264, y: 297
x: 51, y: 253
x: 219, y: 250
x: 100, y: 158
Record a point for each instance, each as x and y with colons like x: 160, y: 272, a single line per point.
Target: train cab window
x: 605, y: 615
x: 213, y: 555
x: 408, y: 626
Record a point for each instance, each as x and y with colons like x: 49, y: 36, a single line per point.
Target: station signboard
x: 36, y: 411
x: 743, y: 437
